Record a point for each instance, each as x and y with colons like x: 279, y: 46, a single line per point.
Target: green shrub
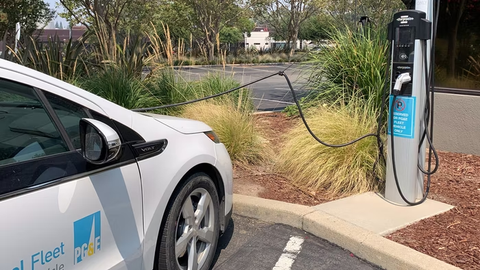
x: 59, y: 60
x: 170, y: 88
x: 354, y: 66
x: 234, y: 127
x: 344, y: 170
x: 119, y: 86
x: 217, y: 83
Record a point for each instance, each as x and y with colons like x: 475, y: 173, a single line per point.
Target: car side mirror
x: 100, y: 143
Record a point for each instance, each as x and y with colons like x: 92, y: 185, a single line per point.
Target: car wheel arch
x: 213, y: 173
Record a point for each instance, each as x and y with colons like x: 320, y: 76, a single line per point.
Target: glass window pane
x: 69, y: 114
x: 26, y: 130
x: 457, y: 49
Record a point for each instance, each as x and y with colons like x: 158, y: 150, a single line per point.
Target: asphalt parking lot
x: 271, y: 94
x: 256, y: 245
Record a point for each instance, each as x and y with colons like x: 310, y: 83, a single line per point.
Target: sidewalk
x: 355, y: 223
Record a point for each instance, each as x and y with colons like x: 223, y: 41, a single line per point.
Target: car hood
x: 182, y: 125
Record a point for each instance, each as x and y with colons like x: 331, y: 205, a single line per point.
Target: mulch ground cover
x: 453, y: 237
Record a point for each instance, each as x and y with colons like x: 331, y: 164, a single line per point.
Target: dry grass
x: 234, y: 127
x: 341, y: 171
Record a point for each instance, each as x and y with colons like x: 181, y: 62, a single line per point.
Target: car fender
x: 158, y: 192
x: 162, y: 173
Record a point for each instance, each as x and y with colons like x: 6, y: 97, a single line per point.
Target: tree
x: 107, y: 17
x: 210, y: 17
x: 315, y: 28
x: 178, y: 16
x: 230, y: 35
x: 348, y: 12
x: 235, y: 34
x: 27, y: 12
x: 286, y: 15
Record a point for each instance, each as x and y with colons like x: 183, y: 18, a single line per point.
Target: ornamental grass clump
x: 340, y: 171
x: 354, y: 65
x: 234, y: 127
x: 118, y: 85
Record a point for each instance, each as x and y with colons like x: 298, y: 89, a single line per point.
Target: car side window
x: 69, y: 114
x: 26, y: 130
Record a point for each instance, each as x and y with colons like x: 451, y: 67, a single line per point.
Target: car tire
x: 193, y: 217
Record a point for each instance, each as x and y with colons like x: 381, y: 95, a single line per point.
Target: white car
x: 87, y: 184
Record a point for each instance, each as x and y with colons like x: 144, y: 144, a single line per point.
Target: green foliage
x: 286, y: 17
x: 355, y: 65
x: 118, y: 85
x: 176, y: 15
x: 27, y: 12
x: 123, y: 15
x: 234, y: 127
x: 316, y: 28
x: 217, y: 83
x: 349, y: 12
x: 208, y: 17
x: 169, y: 88
x: 344, y: 170
x: 231, y: 35
x: 55, y: 58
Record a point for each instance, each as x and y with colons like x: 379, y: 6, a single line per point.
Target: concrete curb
x: 361, y: 242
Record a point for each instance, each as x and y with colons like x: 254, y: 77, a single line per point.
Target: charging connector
x: 402, y: 79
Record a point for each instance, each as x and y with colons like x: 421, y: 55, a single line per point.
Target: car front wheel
x: 190, y: 234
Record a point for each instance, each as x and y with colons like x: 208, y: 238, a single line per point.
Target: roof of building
x: 63, y: 34
x: 260, y: 29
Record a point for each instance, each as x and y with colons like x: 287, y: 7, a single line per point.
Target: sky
x: 53, y: 4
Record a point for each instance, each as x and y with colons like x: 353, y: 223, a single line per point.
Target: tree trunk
x: 294, y: 39
x: 211, y: 51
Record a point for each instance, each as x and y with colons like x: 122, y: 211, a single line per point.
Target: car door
x: 58, y: 211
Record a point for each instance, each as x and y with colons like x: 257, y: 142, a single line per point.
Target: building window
x: 266, y: 43
x: 458, y: 51
x: 258, y: 44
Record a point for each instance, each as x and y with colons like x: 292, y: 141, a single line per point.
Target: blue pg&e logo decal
x: 86, y: 233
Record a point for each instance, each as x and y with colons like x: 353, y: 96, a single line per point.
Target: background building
x: 260, y: 39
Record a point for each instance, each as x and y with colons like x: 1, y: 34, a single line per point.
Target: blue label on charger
x: 403, y: 117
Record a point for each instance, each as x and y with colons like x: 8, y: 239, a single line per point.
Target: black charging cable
x: 308, y: 127
x: 207, y: 97
x: 394, y: 166
x: 280, y: 73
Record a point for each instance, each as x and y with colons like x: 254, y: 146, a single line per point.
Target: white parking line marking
x: 290, y: 252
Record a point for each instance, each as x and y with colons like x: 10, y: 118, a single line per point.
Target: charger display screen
x: 405, y: 35
x: 404, y: 44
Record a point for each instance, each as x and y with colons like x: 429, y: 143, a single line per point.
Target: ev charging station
x: 410, y: 33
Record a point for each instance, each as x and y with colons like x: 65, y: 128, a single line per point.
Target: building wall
x: 457, y: 123
x: 259, y: 40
